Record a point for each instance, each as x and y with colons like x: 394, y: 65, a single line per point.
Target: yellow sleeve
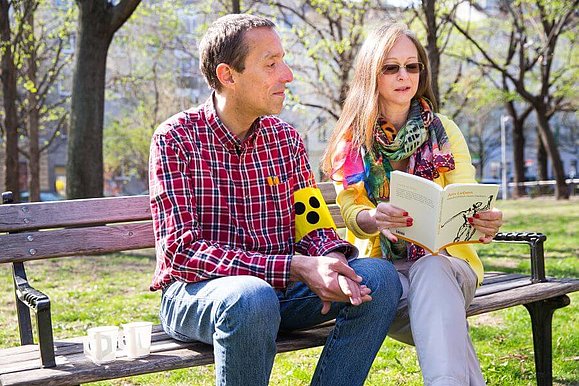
x: 464, y: 171
x: 352, y: 201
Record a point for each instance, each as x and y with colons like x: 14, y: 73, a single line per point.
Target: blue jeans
x: 241, y: 316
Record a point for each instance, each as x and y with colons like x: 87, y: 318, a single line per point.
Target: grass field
x: 113, y: 289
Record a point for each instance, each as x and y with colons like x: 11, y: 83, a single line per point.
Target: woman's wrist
x: 366, y: 220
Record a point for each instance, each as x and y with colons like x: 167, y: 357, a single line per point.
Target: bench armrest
x: 39, y: 302
x: 27, y: 294
x: 32, y: 297
x: 537, y: 254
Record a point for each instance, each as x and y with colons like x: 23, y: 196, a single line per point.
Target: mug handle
x: 86, y: 347
x: 121, y: 341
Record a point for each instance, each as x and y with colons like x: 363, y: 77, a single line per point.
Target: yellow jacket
x: 354, y: 199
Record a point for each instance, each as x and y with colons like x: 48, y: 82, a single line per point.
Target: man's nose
x: 287, y: 74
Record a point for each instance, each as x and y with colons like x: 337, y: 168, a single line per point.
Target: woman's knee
x: 432, y: 266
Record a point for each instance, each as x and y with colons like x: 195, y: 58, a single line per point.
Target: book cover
x: 440, y: 214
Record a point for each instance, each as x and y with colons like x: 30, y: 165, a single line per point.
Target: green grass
x: 114, y: 289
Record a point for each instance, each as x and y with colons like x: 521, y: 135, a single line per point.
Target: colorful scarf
x: 422, y: 139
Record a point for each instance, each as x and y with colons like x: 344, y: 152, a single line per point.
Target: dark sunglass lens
x: 414, y: 67
x: 390, y: 69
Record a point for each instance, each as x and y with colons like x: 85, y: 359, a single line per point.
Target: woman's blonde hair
x: 360, y: 111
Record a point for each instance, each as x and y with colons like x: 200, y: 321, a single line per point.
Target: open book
x: 440, y: 214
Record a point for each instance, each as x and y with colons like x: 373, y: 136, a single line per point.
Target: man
x: 236, y: 260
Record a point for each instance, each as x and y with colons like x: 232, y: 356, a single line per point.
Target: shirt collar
x: 230, y: 141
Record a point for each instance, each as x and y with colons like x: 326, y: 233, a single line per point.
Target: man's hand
x: 357, y: 293
x: 331, y: 278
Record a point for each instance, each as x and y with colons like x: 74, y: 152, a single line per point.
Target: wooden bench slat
x: 328, y: 192
x: 496, y: 277
x: 40, y: 215
x: 76, y: 241
x: 503, y: 286
x: 107, y: 210
x: 522, y: 295
x: 76, y: 368
x: 12, y: 356
x: 337, y: 216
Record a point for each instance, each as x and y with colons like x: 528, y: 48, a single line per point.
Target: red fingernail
x: 477, y: 215
x: 409, y: 222
x: 405, y: 214
x: 470, y: 220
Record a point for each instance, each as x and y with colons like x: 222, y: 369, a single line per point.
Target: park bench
x: 33, y: 231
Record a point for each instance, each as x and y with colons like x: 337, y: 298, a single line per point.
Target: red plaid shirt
x: 214, y: 213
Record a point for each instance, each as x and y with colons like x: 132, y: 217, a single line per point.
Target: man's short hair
x: 224, y: 43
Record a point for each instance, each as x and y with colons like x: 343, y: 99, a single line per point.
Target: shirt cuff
x: 277, y: 270
x: 344, y: 247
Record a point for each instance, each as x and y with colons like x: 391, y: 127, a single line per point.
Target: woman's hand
x: 389, y: 216
x: 488, y: 222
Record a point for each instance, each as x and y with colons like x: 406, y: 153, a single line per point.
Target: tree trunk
x: 33, y: 116
x: 236, y: 6
x: 9, y: 92
x: 98, y: 21
x: 482, y: 155
x: 85, y: 141
x: 518, y: 157
x: 432, y: 46
x: 542, y: 171
x: 546, y: 134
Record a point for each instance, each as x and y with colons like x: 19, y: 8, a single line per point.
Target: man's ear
x: 224, y: 73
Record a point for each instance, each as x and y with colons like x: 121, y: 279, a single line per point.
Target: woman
x: 389, y: 123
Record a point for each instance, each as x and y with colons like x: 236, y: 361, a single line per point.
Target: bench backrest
x: 33, y: 231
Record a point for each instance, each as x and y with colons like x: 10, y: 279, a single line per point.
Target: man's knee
x: 250, y: 302
x: 381, y: 277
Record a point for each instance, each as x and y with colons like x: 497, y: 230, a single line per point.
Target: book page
x: 421, y: 199
x: 461, y: 201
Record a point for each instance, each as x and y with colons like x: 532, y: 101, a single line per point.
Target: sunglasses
x: 412, y: 68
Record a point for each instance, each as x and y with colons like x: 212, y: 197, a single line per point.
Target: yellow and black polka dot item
x: 311, y: 212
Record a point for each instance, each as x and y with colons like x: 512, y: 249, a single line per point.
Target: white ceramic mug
x: 136, y: 339
x: 101, y: 344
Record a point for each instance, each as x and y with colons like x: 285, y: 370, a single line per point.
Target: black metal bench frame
x: 541, y: 311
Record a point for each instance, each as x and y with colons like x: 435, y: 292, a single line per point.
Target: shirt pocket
x: 280, y: 200
x: 279, y: 189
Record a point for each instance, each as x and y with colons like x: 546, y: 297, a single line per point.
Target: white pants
x: 432, y: 317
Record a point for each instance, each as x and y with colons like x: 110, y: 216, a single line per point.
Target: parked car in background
x: 44, y: 196
x: 491, y: 181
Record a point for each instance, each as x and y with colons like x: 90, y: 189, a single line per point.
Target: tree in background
x: 481, y: 90
x: 326, y: 36
x: 44, y: 112
x: 9, y: 38
x: 432, y: 17
x: 542, y: 75
x: 98, y: 20
x: 153, y: 74
x: 216, y: 8
x: 38, y: 57
x: 321, y: 38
